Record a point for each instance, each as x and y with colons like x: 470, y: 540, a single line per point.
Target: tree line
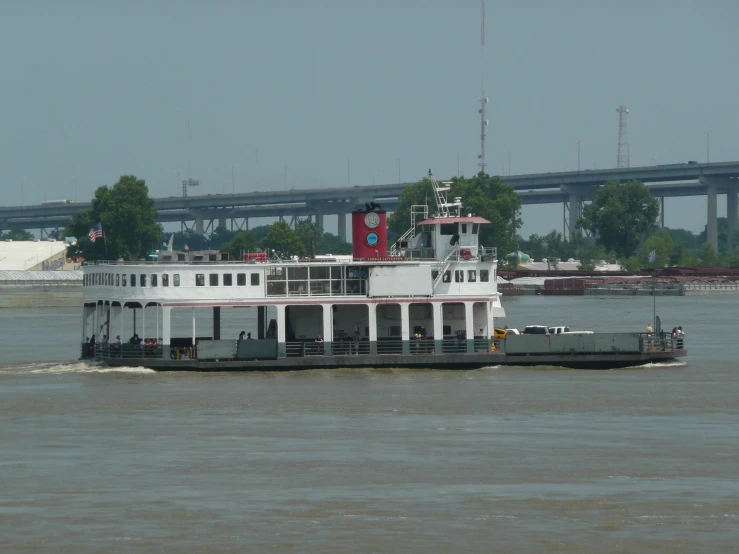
x: 620, y: 225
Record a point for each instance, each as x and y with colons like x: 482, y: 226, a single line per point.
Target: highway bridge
x: 570, y: 189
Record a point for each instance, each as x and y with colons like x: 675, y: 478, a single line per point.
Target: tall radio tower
x: 623, y: 146
x: 483, y: 98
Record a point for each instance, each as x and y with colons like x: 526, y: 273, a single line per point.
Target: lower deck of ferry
x: 297, y: 335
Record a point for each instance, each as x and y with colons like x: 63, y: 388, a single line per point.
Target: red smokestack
x: 369, y: 232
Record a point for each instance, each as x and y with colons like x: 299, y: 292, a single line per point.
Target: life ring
x: 466, y: 255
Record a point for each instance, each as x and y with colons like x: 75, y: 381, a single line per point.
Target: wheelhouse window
x: 213, y: 279
x: 464, y: 228
x: 472, y: 275
x: 447, y: 277
x: 154, y: 279
x: 199, y: 280
x: 459, y: 275
x: 142, y: 282
x: 123, y: 280
x: 133, y: 279
x: 117, y: 279
x: 484, y: 275
x: 176, y: 279
x: 241, y: 279
x: 448, y: 229
x: 227, y: 279
x: 165, y: 279
x: 255, y: 279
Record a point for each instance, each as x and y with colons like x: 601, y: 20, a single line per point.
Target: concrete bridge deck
x: 569, y: 188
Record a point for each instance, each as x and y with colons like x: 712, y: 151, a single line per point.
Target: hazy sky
x: 95, y: 89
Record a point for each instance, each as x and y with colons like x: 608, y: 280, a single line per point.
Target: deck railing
x: 662, y: 342
x: 122, y: 351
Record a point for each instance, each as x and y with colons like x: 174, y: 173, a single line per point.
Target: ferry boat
x: 429, y: 300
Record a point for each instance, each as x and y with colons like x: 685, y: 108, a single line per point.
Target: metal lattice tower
x: 483, y: 98
x: 623, y: 145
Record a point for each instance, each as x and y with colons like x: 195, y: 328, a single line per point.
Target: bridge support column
x: 199, y: 225
x: 342, y: 226
x: 221, y: 222
x: 662, y: 212
x: 572, y: 210
x: 712, y: 223
x: 319, y: 221
x: 731, y: 217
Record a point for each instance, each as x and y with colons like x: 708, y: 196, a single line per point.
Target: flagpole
x: 654, y: 293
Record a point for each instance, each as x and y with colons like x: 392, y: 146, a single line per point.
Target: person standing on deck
x: 355, y: 341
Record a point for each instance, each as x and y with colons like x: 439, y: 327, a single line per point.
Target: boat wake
x: 671, y: 363
x: 56, y: 368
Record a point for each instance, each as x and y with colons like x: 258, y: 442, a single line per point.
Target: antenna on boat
x: 483, y: 98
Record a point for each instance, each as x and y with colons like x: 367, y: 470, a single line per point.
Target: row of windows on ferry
x: 154, y: 279
x: 459, y: 276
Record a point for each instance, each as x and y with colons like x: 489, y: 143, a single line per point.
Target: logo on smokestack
x: 372, y: 220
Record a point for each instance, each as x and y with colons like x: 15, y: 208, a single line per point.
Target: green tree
x: 708, y: 256
x: 334, y: 245
x: 128, y: 218
x: 242, y: 242
x: 258, y: 233
x: 677, y: 254
x: 17, y: 235
x: 220, y: 237
x: 311, y: 236
x: 497, y: 202
x: 631, y: 263
x: 191, y: 239
x: 421, y: 194
x: 535, y: 246
x: 283, y: 240
x: 661, y: 244
x: 620, y: 216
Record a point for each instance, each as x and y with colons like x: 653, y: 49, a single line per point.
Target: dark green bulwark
x: 575, y: 343
x: 261, y: 349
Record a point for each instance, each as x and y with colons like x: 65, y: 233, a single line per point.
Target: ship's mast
x: 444, y: 207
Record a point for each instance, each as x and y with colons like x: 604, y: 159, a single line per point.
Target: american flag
x: 96, y: 232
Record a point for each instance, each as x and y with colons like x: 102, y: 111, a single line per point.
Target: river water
x: 494, y: 460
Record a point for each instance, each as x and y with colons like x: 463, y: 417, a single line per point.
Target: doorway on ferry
x: 305, y: 329
x: 351, y: 332
x: 454, y: 328
x: 389, y: 329
x: 421, y: 328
